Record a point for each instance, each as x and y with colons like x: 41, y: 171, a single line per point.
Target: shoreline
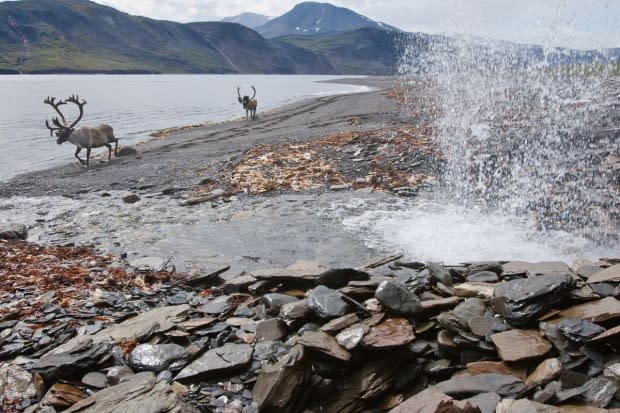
x: 273, y: 126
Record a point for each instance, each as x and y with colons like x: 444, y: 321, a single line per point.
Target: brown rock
x: 497, y: 367
x: 596, y: 311
x: 63, y: 395
x: 545, y: 372
x: 283, y: 387
x: 516, y: 345
x: 323, y: 342
x: 272, y: 329
x: 392, y: 332
x: 340, y: 323
x: 610, y: 274
x: 433, y: 401
x: 440, y: 304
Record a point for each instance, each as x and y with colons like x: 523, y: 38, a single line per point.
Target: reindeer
x: 249, y: 103
x: 83, y: 137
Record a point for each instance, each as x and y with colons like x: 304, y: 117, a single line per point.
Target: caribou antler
x: 76, y: 100
x: 51, y: 100
x: 254, y: 93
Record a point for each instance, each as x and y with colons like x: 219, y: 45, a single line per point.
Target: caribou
x: 84, y: 137
x: 249, y: 103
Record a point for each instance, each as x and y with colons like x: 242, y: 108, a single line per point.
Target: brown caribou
x: 84, y: 137
x: 249, y: 103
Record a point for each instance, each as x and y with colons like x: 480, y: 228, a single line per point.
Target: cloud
x: 574, y: 23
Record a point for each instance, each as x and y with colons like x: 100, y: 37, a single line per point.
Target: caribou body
x: 85, y: 137
x: 249, y: 103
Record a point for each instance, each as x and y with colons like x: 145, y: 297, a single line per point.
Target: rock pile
x: 390, y: 336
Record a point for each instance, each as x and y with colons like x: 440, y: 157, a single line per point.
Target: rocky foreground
x: 82, y: 332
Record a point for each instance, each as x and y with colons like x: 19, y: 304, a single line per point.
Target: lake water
x: 136, y: 106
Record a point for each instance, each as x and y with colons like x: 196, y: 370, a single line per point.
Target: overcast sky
x: 581, y: 24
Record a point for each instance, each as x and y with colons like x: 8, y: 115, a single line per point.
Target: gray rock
x: 126, y: 151
x: 140, y: 327
x: 131, y: 199
x: 158, y: 357
x: 142, y: 393
x: 600, y: 391
x: 283, y: 386
x: 520, y: 301
x: 486, y: 402
x: 148, y: 263
x: 440, y: 273
x: 458, y: 318
x: 119, y: 374
x: 217, y: 361
x: 272, y: 329
x: 218, y: 305
x: 578, y: 330
x: 17, y: 383
x: 466, y: 384
x: 70, y: 365
x: 277, y: 300
x: 13, y: 231
x: 95, y: 379
x: 326, y: 303
x: 336, y: 278
x: 398, y: 299
x: 483, y: 276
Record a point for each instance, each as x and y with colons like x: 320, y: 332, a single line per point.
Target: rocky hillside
x: 251, y: 20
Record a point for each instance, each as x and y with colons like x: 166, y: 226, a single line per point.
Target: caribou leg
x: 116, y: 147
x: 107, y: 145
x: 77, y: 151
x: 87, y: 155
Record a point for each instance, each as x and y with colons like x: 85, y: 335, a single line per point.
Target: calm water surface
x: 136, y: 106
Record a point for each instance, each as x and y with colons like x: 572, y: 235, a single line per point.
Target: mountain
x: 251, y: 20
x: 366, y: 51
x: 248, y: 52
x: 43, y: 36
x: 311, y: 18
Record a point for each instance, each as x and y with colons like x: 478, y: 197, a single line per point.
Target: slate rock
x: 391, y: 332
x: 217, y: 361
x: 458, y: 318
x: 546, y: 371
x: 326, y: 303
x: 520, y: 301
x: 277, y: 300
x: 17, y: 383
x: 117, y: 374
x: 483, y: 276
x: 283, y: 387
x: 465, y: 384
x: 440, y: 273
x: 95, y: 380
x: 600, y: 391
x: 596, y: 311
x: 272, y: 329
x: 69, y: 365
x: 13, y: 231
x: 351, y: 337
x: 398, y: 299
x: 127, y: 151
x: 324, y: 343
x: 516, y: 345
x: 578, y: 330
x: 609, y: 274
x: 486, y: 402
x: 432, y: 400
x: 131, y: 198
x: 158, y: 357
x: 339, y: 277
x: 148, y: 263
x: 142, y: 393
x: 218, y: 305
x: 63, y: 395
x: 140, y: 327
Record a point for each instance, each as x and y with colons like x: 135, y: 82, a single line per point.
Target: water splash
x: 530, y: 139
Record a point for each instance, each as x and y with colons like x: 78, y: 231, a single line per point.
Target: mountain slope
x: 366, y: 51
x: 42, y: 36
x: 248, y: 52
x: 312, y: 18
x: 251, y: 20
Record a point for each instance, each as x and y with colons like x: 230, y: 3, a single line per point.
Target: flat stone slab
x: 143, y: 325
x: 13, y: 231
x: 516, y: 345
x: 301, y: 271
x: 221, y: 360
x: 433, y: 401
x: 323, y: 342
x: 465, y: 384
x: 496, y: 367
x: 596, y: 311
x: 391, y: 332
x: 610, y: 274
x: 141, y: 393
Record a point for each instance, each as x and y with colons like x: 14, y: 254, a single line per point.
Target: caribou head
x: 249, y: 103
x: 83, y: 137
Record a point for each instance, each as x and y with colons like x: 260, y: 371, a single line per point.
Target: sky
x: 580, y: 24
